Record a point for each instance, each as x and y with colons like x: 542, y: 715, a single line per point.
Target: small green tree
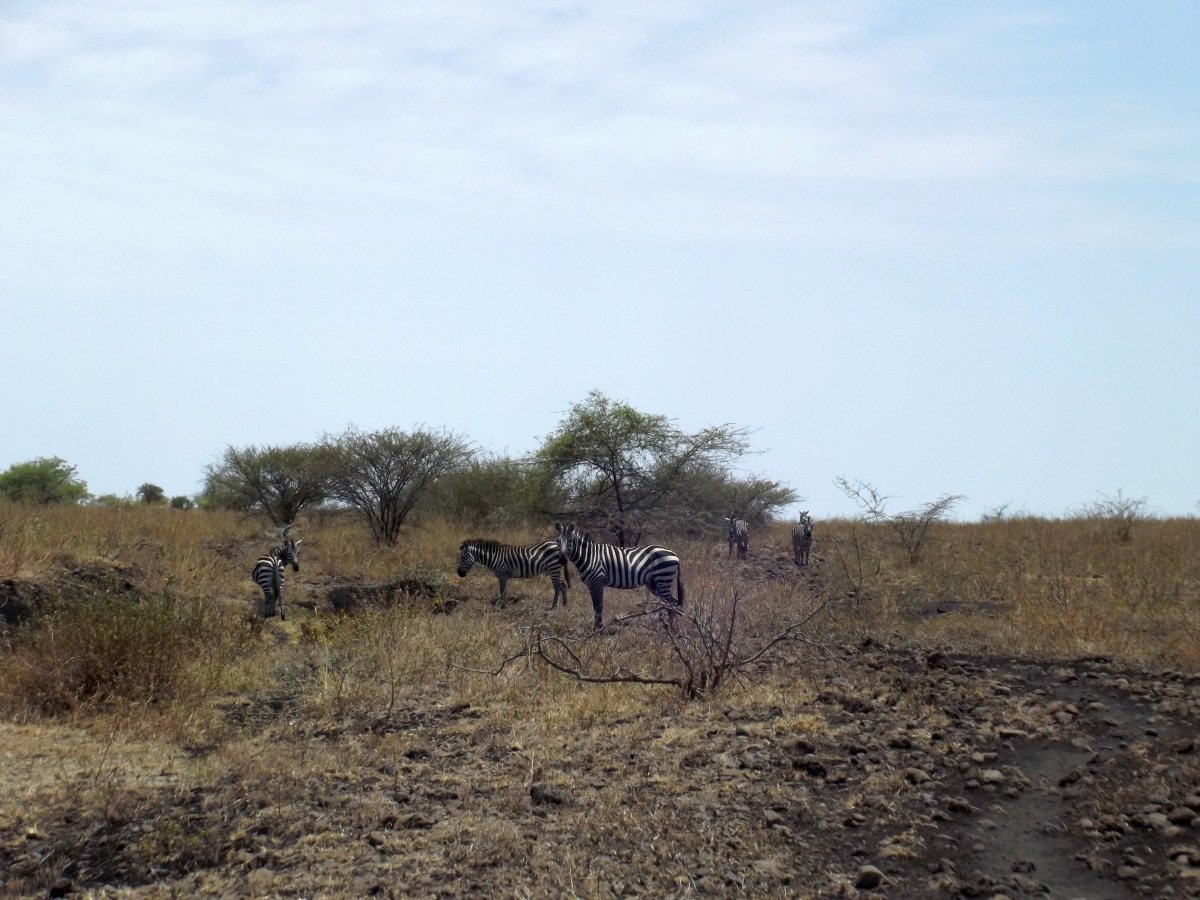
x: 280, y: 482
x: 628, y: 473
x: 151, y: 494
x: 182, y: 502
x: 382, y: 474
x: 42, y: 482
x: 495, y: 490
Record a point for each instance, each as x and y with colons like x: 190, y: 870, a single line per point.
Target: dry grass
x: 1059, y: 588
x: 218, y: 735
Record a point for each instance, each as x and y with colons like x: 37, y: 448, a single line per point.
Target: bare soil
x: 908, y: 772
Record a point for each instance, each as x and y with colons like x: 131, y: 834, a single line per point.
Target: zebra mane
x: 582, y: 532
x: 482, y: 543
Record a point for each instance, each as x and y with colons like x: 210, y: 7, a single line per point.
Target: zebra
x: 738, y: 533
x: 268, y: 573
x: 606, y: 565
x: 507, y: 561
x: 802, y: 538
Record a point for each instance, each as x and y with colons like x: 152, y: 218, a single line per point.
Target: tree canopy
x: 628, y: 473
x: 42, y: 482
x: 278, y: 481
x: 383, y: 474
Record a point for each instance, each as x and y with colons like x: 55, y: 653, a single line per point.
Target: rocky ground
x: 862, y: 770
x: 932, y: 775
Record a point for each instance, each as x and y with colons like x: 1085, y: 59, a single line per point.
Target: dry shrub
x: 107, y: 645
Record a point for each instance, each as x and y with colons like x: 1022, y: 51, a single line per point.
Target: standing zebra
x: 606, y: 565
x: 507, y: 561
x: 268, y: 573
x: 802, y: 538
x: 738, y: 533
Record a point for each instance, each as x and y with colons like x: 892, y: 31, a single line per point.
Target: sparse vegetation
x: 398, y: 731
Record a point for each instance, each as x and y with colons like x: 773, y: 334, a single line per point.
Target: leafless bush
x: 856, y: 560
x: 910, y: 528
x: 696, y: 651
x: 1119, y: 512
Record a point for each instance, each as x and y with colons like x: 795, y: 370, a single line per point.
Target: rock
x: 547, y: 793
x: 869, y: 878
x: 1181, y: 815
x: 958, y: 804
x: 991, y: 776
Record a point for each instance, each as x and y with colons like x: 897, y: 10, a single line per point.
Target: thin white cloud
x: 467, y: 109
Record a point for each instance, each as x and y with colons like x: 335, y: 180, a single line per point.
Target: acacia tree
x: 43, y: 482
x: 278, y: 481
x: 151, y: 494
x: 382, y: 474
x: 625, y: 472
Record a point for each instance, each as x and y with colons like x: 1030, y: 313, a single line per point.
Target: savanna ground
x: 1015, y: 714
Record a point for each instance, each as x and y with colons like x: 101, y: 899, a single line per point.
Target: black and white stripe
x: 508, y: 561
x: 268, y: 574
x: 738, y: 533
x: 606, y: 565
x: 802, y: 538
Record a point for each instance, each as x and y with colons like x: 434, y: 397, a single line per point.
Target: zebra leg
x: 268, y: 604
x: 503, y: 601
x: 559, y: 588
x: 662, y: 590
x: 282, y: 616
x: 597, y: 592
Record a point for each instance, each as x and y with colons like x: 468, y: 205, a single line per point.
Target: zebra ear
x: 558, y: 527
x: 299, y: 542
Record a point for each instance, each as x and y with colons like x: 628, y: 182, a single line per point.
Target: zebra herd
x: 599, y: 565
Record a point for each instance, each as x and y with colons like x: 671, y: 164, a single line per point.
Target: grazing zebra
x: 606, y: 565
x: 507, y: 561
x: 268, y: 573
x: 739, y: 533
x: 802, y: 538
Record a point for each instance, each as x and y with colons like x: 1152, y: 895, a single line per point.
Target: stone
x: 547, y: 794
x: 1181, y: 815
x: 869, y: 878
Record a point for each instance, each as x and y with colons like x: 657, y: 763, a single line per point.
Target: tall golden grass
x: 1051, y: 587
x: 188, y: 636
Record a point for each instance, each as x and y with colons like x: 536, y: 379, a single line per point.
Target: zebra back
x: 268, y: 573
x: 608, y: 565
x: 515, y: 561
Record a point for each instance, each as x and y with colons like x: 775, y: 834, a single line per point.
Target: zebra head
x: 289, y: 553
x: 570, y: 539
x: 466, y: 557
x: 807, y: 522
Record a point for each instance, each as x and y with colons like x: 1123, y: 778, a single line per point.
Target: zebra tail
x: 679, y: 582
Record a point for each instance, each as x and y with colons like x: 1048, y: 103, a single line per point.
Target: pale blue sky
x: 942, y: 247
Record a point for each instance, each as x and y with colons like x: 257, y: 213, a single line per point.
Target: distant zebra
x: 268, y: 573
x: 606, y: 565
x: 738, y: 533
x: 802, y: 538
x: 507, y: 561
